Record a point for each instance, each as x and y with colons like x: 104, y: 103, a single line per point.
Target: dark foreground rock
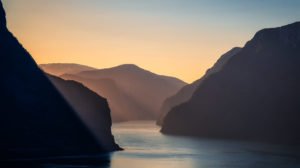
x: 36, y: 121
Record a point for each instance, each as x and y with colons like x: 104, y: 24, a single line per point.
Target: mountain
x: 146, y: 88
x: 90, y: 107
x: 36, y: 121
x: 123, y: 107
x: 255, y: 96
x: 58, y: 69
x: 187, y: 91
x: 132, y: 92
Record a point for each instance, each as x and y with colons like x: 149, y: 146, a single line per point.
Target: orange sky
x: 176, y: 38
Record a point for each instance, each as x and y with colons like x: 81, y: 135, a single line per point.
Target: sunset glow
x: 173, y: 37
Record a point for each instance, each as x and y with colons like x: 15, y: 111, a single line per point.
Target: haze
x: 181, y: 38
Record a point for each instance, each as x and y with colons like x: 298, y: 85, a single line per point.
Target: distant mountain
x: 123, y: 107
x: 132, y: 92
x: 36, y: 121
x: 90, y: 107
x: 146, y: 88
x: 187, y: 91
x: 58, y: 69
x: 255, y: 96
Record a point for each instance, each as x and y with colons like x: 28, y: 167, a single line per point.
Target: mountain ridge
x: 143, y: 90
x: 185, y: 93
x: 123, y: 107
x: 260, y: 83
x: 59, y: 69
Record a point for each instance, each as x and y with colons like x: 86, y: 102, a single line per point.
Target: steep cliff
x: 187, y: 91
x: 254, y: 97
x: 90, y: 107
x: 36, y: 121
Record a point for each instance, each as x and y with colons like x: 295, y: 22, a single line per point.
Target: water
x: 146, y: 147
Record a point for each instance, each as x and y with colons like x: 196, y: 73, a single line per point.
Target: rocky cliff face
x: 254, y: 97
x: 187, y: 91
x: 36, y: 121
x: 90, y: 107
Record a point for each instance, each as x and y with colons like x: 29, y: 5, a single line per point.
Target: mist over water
x: 146, y: 147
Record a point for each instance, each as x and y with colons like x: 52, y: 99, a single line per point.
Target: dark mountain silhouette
x: 90, y: 107
x: 187, y: 91
x: 35, y: 119
x: 132, y: 92
x: 254, y: 97
x: 123, y: 107
x: 58, y: 69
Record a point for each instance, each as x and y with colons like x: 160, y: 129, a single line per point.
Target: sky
x: 180, y: 38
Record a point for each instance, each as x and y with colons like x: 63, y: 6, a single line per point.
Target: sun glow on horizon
x: 176, y: 38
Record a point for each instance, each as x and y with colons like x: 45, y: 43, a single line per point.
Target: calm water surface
x: 146, y: 147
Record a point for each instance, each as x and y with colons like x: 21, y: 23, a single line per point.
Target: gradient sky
x: 181, y: 38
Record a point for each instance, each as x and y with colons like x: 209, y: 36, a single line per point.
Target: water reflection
x: 146, y: 147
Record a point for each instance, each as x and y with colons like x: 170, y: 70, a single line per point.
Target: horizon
x: 177, y: 38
